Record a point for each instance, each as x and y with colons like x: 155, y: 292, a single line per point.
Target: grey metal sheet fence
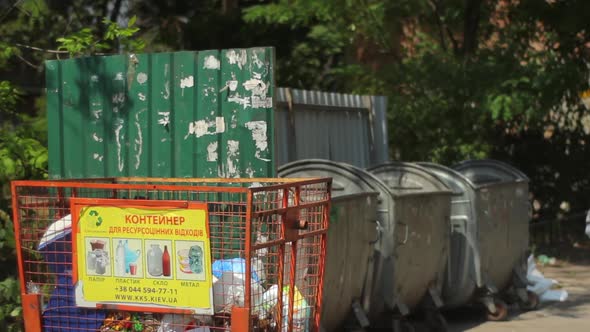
x: 339, y: 127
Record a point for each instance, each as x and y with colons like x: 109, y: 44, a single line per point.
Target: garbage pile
x: 545, y: 288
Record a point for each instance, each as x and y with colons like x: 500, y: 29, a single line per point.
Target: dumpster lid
x: 488, y: 171
x: 404, y: 178
x: 346, y: 179
x: 455, y: 180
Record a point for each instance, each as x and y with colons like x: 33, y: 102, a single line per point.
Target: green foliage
x: 85, y: 41
x: 9, y: 98
x: 10, y: 305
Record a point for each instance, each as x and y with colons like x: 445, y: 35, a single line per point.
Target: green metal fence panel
x: 181, y: 114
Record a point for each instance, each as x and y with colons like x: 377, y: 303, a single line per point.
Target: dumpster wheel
x: 532, y: 303
x: 501, y: 311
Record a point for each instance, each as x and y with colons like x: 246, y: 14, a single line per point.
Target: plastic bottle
x: 166, y: 262
x: 120, y: 260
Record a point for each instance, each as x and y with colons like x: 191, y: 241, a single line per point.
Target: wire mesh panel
x: 267, y: 245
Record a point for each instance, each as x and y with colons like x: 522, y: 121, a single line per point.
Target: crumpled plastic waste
x: 236, y: 265
x: 174, y: 323
x: 229, y: 290
x: 542, y: 286
x: 546, y: 260
x: 301, y: 310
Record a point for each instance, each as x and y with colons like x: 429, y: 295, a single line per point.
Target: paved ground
x: 570, y: 316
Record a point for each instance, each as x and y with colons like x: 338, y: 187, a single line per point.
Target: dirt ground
x: 572, y: 315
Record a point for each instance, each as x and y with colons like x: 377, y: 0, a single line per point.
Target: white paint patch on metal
x: 142, y: 78
x: 138, y: 146
x: 233, y: 151
x: 261, y: 102
x: 201, y: 127
x: 119, y: 76
x: 141, y: 96
x: 118, y: 139
x: 212, y: 151
x: 258, y: 129
x: 257, y: 86
x: 97, y: 114
x: 244, y: 101
x: 94, y: 78
x: 219, y: 124
x: 239, y: 57
x: 96, y: 138
x: 211, y: 62
x: 233, y: 85
x: 187, y: 82
x: 98, y: 157
x: 164, y: 119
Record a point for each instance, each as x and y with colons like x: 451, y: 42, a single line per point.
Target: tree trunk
x: 471, y: 25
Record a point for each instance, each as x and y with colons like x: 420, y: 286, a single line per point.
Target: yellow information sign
x: 142, y: 256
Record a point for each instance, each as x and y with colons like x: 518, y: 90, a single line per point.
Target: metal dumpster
x: 408, y: 261
x: 489, y: 233
x: 351, y: 237
x: 420, y: 223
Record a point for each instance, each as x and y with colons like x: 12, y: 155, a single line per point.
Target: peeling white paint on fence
x: 261, y: 102
x: 219, y: 125
x: 240, y: 57
x: 233, y: 152
x: 118, y: 139
x: 138, y: 146
x: 211, y: 62
x: 187, y: 82
x: 249, y: 171
x: 96, y: 138
x: 164, y: 119
x: 255, y: 85
x: 259, y: 136
x: 166, y: 93
x: 142, y: 78
x: 256, y: 60
x: 141, y: 96
x: 208, y: 90
x: 244, y: 101
x: 97, y: 114
x: 119, y: 76
x: 202, y: 127
x: 98, y: 157
x: 234, y: 120
x: 94, y: 78
x: 212, y: 151
x: 233, y: 85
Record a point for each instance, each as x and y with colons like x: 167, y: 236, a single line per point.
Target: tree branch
x: 41, y: 49
x: 26, y: 61
x: 443, y: 27
x: 441, y: 33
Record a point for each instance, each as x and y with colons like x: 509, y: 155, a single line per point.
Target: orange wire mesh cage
x: 112, y: 254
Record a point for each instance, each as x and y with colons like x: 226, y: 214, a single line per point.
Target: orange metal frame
x: 240, y: 316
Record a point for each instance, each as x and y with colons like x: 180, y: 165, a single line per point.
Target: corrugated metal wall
x: 182, y: 114
x: 338, y: 127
